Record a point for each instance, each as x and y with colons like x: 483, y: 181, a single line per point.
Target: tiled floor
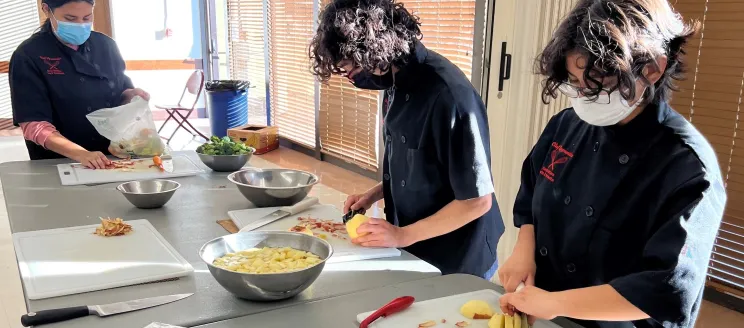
x: 11, y: 297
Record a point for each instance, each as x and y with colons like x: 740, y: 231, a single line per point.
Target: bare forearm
x: 526, y: 237
x: 450, y: 218
x: 61, y: 145
x: 583, y: 304
x: 376, y: 192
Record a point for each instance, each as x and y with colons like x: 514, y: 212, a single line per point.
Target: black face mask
x: 369, y: 81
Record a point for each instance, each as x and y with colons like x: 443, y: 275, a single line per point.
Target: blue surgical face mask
x: 73, y: 33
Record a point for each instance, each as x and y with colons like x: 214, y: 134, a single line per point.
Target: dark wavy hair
x: 618, y: 38
x: 374, y: 34
x: 54, y: 4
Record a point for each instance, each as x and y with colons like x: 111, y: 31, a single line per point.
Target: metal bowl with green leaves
x: 224, y: 154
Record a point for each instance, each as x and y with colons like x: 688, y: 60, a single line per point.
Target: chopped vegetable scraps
x: 318, y: 226
x: 113, y: 227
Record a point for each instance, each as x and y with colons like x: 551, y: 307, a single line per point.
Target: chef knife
x: 351, y: 214
x: 58, y: 315
x: 281, y: 213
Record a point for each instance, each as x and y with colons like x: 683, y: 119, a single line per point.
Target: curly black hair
x: 374, y: 34
x: 618, y: 38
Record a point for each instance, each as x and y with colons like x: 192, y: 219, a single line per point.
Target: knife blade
x: 281, y: 213
x: 63, y: 314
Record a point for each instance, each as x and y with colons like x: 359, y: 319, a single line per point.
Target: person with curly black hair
x: 437, y: 184
x: 621, y: 197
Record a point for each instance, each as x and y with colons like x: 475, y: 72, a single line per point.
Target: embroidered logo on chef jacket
x: 686, y: 251
x: 558, y: 156
x: 52, y: 64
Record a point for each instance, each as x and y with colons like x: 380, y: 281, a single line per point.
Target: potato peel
x: 113, y: 227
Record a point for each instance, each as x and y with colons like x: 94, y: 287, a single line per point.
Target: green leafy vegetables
x: 223, y: 146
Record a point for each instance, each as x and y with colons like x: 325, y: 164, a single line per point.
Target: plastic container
x: 227, y: 102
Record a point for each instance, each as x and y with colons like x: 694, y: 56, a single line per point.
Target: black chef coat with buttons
x: 53, y: 83
x: 437, y: 150
x: 636, y: 206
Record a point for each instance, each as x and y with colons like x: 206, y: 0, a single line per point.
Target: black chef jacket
x: 635, y: 206
x: 437, y: 149
x: 53, y: 83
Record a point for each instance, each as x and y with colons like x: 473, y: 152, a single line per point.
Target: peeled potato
x: 497, y: 321
x: 354, y: 223
x: 476, y: 310
x: 508, y: 321
x: 517, y: 321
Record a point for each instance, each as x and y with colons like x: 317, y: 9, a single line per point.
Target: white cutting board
x: 73, y: 260
x: 447, y: 308
x: 73, y: 174
x: 343, y: 250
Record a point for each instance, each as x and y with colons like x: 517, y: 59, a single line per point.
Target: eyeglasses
x: 573, y: 91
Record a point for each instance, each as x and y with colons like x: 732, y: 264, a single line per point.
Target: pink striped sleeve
x: 37, y: 132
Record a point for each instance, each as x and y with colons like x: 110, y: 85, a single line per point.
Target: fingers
x: 531, y: 320
x: 512, y: 282
x: 504, y: 303
x: 104, y: 158
x: 143, y: 94
x: 348, y: 203
x: 98, y: 162
x: 530, y: 280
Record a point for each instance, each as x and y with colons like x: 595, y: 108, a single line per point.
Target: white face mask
x: 607, y: 109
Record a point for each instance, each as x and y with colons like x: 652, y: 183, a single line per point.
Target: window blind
x: 711, y: 98
x: 18, y: 20
x: 290, y: 25
x: 448, y: 28
x: 348, y: 122
x: 246, y: 56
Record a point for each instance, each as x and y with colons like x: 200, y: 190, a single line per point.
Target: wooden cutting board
x: 447, y: 308
x: 73, y: 174
x: 343, y: 250
x: 73, y: 260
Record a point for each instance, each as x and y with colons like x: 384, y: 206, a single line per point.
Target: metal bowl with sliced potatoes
x: 148, y: 194
x: 270, y: 280
x: 273, y: 187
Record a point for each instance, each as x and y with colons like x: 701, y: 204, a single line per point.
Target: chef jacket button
x: 624, y: 159
x: 403, y: 183
x: 90, y: 109
x: 567, y: 200
x: 82, y: 79
x: 403, y: 139
x: 596, y: 146
x: 408, y: 97
x: 571, y: 268
x: 386, y: 176
x: 108, y: 104
x: 589, y: 211
x: 544, y: 251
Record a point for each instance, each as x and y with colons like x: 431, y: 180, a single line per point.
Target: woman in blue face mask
x: 59, y: 75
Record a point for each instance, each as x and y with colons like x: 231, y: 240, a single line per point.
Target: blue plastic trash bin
x: 227, y: 110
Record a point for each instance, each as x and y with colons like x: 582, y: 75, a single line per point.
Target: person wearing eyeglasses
x: 437, y: 185
x: 59, y: 75
x: 621, y: 197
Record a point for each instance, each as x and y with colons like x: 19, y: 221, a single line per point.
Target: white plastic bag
x: 130, y: 128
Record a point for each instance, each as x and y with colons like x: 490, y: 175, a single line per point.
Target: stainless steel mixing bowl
x: 225, y: 163
x: 273, y: 187
x: 147, y: 194
x: 270, y: 286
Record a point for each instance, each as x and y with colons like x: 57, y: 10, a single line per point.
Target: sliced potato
x: 517, y: 321
x: 476, y: 310
x: 497, y: 321
x: 525, y: 323
x: 508, y: 321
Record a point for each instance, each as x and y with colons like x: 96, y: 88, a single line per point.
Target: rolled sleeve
x: 28, y: 91
x: 463, y: 144
x: 670, y: 281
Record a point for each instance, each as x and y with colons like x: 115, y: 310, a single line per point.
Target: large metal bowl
x: 225, y: 163
x: 270, y: 286
x: 273, y: 187
x: 148, y: 194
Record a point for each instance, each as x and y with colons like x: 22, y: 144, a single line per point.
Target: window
x: 711, y: 98
x: 246, y: 47
x: 18, y: 20
x: 290, y: 24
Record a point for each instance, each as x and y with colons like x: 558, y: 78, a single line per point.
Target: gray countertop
x: 36, y: 201
x: 341, y: 311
